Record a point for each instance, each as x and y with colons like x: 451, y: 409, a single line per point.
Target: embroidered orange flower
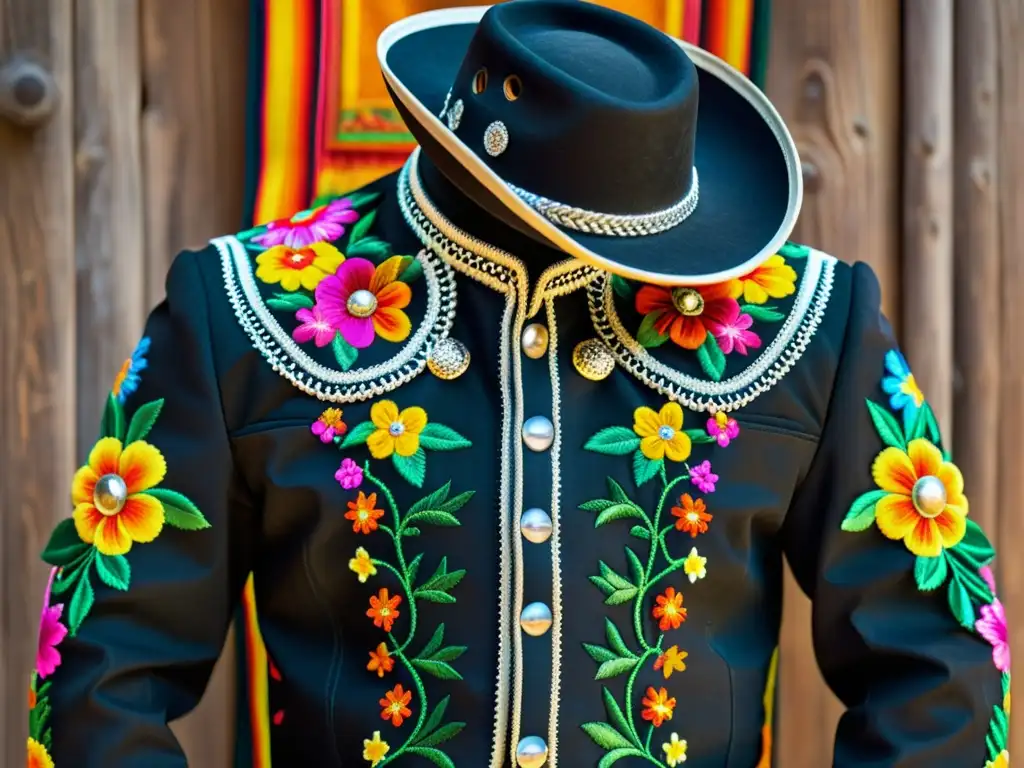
x: 773, y: 279
x: 693, y: 515
x: 395, y: 705
x: 364, y: 514
x: 669, y: 610
x: 671, y: 661
x: 362, y: 565
x: 111, y: 509
x: 38, y: 757
x: 685, y: 314
x: 658, y: 706
x: 925, y: 506
x: 381, y: 661
x: 374, y: 749
x: 384, y: 609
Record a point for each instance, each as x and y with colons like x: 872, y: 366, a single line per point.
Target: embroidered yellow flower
x: 924, y: 505
x: 675, y: 750
x: 774, y: 279
x: 294, y: 267
x: 1002, y: 760
x: 661, y: 434
x: 374, y: 749
x: 111, y: 509
x: 38, y: 757
x: 671, y: 661
x: 362, y: 565
x: 397, y: 432
x: 695, y: 566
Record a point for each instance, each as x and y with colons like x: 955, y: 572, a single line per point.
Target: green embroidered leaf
x: 411, y: 530
x: 143, y: 420
x: 602, y: 584
x: 616, y: 491
x: 861, y: 514
x: 434, y: 596
x: 640, y: 532
x: 358, y: 434
x: 621, y: 287
x: 113, y: 419
x: 436, y: 756
x: 451, y: 653
x: 431, y: 500
x: 975, y: 546
x: 599, y: 653
x: 930, y: 572
x: 613, y: 441
x: 179, y: 511
x: 412, y: 270
x: 114, y: 571
x: 762, y: 314
x: 65, y: 545
x: 794, y: 251
x: 647, y: 334
x: 610, y: 758
x: 442, y: 579
x: 614, y: 668
x: 605, y: 736
x: 81, y: 601
x: 434, y: 643
x: 372, y: 248
x: 359, y: 200
x: 620, y: 596
x: 888, y: 428
x: 645, y: 469
x: 361, y: 228
x: 698, y: 436
x: 933, y: 427
x: 456, y: 503
x: 976, y: 586
x: 617, y: 581
x: 615, y: 717
x: 960, y: 603
x: 443, y: 734
x: 615, y: 641
x: 919, y: 427
x: 438, y: 437
x: 412, y: 468
x: 618, y: 512
x: 434, y: 517
x: 435, y: 717
x: 636, y: 568
x: 439, y: 669
x: 290, y: 302
x: 344, y: 352
x: 711, y: 358
x: 597, y: 505
x: 251, y: 233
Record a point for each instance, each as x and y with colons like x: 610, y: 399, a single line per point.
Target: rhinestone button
x: 535, y: 619
x: 538, y: 433
x: 532, y: 752
x: 449, y: 359
x: 593, y: 360
x: 535, y: 341
x: 535, y: 525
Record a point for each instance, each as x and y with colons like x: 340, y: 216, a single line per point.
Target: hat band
x: 614, y: 224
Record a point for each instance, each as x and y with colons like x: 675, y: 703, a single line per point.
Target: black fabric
x: 586, y: 144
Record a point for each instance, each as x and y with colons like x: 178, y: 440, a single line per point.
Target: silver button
x: 535, y: 525
x: 535, y: 619
x: 535, y: 340
x: 538, y: 433
x: 532, y: 752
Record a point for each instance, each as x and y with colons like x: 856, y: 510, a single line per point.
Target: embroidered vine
x: 920, y: 501
x: 345, y: 300
x: 656, y: 442
x: 402, y: 435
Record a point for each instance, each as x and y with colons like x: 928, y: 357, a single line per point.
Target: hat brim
x: 751, y: 187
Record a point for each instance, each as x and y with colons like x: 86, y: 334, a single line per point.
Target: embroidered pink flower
x: 349, y: 475
x: 702, y: 477
x: 992, y: 626
x: 329, y: 425
x: 362, y: 301
x: 51, y: 632
x: 317, y: 225
x: 313, y: 327
x: 731, y: 329
x: 723, y: 428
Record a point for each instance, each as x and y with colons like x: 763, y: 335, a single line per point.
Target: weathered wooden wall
x: 910, y: 121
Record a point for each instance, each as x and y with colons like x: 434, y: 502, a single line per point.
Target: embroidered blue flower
x: 899, y: 383
x: 128, y: 379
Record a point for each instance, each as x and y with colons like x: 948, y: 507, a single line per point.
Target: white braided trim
x: 614, y: 224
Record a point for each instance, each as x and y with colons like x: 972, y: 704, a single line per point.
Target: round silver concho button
x: 535, y: 619
x: 535, y: 341
x: 535, y: 525
x: 538, y: 433
x: 532, y: 752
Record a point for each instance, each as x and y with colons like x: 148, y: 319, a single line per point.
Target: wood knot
x: 28, y: 92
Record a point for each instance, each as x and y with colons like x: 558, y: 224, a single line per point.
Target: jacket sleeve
x: 908, y: 630
x: 149, y: 565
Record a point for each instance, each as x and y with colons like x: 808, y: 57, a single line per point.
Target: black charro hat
x: 579, y: 125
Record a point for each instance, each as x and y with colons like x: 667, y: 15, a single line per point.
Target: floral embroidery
x: 362, y: 565
x: 329, y: 426
x: 363, y: 513
x: 774, y: 279
x: 362, y: 301
x: 384, y: 609
x: 723, y: 428
x: 304, y: 267
x: 374, y: 749
x: 381, y: 661
x: 51, y: 633
x: 920, y: 501
x: 349, y: 475
x: 396, y: 705
x: 117, y: 503
x: 306, y: 228
x: 656, y: 436
x: 675, y: 750
x: 129, y: 378
x: 1002, y: 760
x: 38, y: 755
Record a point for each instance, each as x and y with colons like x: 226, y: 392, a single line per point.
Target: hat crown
x: 600, y: 109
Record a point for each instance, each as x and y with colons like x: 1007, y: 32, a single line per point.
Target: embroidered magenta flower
x: 702, y: 477
x: 362, y: 301
x: 349, y: 475
x: 317, y: 225
x: 992, y: 626
x: 732, y: 330
x: 723, y: 428
x: 51, y: 632
x: 313, y: 327
x: 329, y: 425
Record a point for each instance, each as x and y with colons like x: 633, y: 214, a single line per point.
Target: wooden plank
x: 927, y: 295
x: 37, y: 368
x: 976, y: 302
x: 194, y: 56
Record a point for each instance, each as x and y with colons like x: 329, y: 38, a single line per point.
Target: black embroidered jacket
x: 500, y: 512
